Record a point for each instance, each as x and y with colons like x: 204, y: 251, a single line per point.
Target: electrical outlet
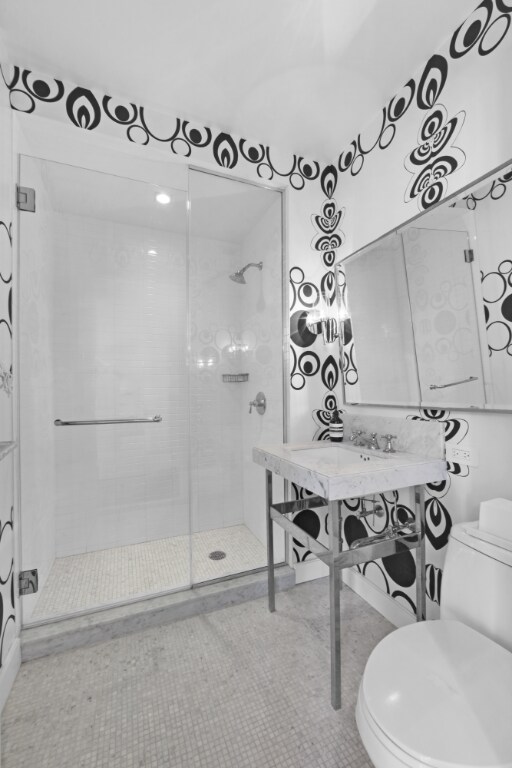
x: 461, y: 456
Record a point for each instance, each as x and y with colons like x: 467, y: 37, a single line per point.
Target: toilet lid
x: 442, y: 692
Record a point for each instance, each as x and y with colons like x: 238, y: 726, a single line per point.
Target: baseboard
x: 382, y: 602
x: 310, y: 570
x: 9, y: 670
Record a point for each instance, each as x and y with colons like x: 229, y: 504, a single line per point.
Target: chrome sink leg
x: 270, y: 543
x: 334, y: 600
x: 421, y: 580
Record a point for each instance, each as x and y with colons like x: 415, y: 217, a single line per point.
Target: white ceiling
x: 304, y: 75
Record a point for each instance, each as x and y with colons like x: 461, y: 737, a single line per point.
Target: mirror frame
x: 398, y: 230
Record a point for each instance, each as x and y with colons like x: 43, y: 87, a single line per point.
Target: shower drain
x: 217, y: 554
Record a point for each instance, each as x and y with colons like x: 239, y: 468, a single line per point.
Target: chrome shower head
x: 238, y: 276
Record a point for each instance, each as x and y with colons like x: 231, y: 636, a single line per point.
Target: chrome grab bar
x: 453, y: 383
x: 60, y: 423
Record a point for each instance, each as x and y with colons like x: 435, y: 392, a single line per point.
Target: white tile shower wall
x: 216, y: 309
x: 119, y: 336
x: 37, y: 433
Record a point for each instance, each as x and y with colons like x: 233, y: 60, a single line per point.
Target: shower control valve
x: 260, y: 403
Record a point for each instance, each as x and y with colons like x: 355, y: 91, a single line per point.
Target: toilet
x: 439, y: 693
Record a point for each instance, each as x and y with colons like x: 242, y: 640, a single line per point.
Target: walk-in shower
x: 138, y: 360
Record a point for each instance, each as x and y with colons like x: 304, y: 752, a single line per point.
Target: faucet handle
x: 356, y: 435
x: 389, y: 448
x: 373, y: 441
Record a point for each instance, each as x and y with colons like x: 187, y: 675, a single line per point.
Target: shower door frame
x: 52, y: 141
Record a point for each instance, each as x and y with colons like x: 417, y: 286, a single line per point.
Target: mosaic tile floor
x: 81, y: 582
x: 238, y: 688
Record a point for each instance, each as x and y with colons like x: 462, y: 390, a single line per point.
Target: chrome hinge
x: 469, y: 255
x: 28, y: 582
x: 26, y: 199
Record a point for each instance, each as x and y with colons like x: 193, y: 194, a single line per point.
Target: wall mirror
x: 427, y: 310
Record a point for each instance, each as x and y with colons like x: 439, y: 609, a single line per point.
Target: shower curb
x: 89, y: 629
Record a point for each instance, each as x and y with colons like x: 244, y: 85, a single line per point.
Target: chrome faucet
x: 364, y: 442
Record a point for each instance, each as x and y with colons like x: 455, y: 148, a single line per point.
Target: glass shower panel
x: 105, y: 506
x: 236, y: 352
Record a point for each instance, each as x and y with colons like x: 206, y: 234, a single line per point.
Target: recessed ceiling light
x: 163, y: 198
x: 152, y: 252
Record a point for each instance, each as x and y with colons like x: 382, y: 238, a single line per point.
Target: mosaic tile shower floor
x: 238, y: 688
x: 81, y: 582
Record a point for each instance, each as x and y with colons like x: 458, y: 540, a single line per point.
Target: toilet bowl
x: 439, y: 693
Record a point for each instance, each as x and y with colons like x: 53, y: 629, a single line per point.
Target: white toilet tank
x: 477, y: 583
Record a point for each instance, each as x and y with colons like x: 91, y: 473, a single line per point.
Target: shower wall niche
x: 127, y: 312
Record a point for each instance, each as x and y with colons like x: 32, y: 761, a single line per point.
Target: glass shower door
x: 236, y: 355
x: 103, y: 389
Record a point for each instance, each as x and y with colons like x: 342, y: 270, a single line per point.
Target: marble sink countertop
x: 342, y: 471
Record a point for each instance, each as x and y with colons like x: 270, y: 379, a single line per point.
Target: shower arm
x: 258, y: 264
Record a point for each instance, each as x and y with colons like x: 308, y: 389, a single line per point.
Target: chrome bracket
x: 28, y: 582
x: 26, y: 199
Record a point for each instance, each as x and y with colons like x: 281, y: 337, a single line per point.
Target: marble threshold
x: 99, y: 626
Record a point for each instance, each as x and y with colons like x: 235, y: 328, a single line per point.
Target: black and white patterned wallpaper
x: 90, y: 110
x: 436, y: 155
x: 440, y: 152
x: 497, y: 281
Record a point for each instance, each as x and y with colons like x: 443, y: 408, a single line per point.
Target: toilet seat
x: 437, y: 694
